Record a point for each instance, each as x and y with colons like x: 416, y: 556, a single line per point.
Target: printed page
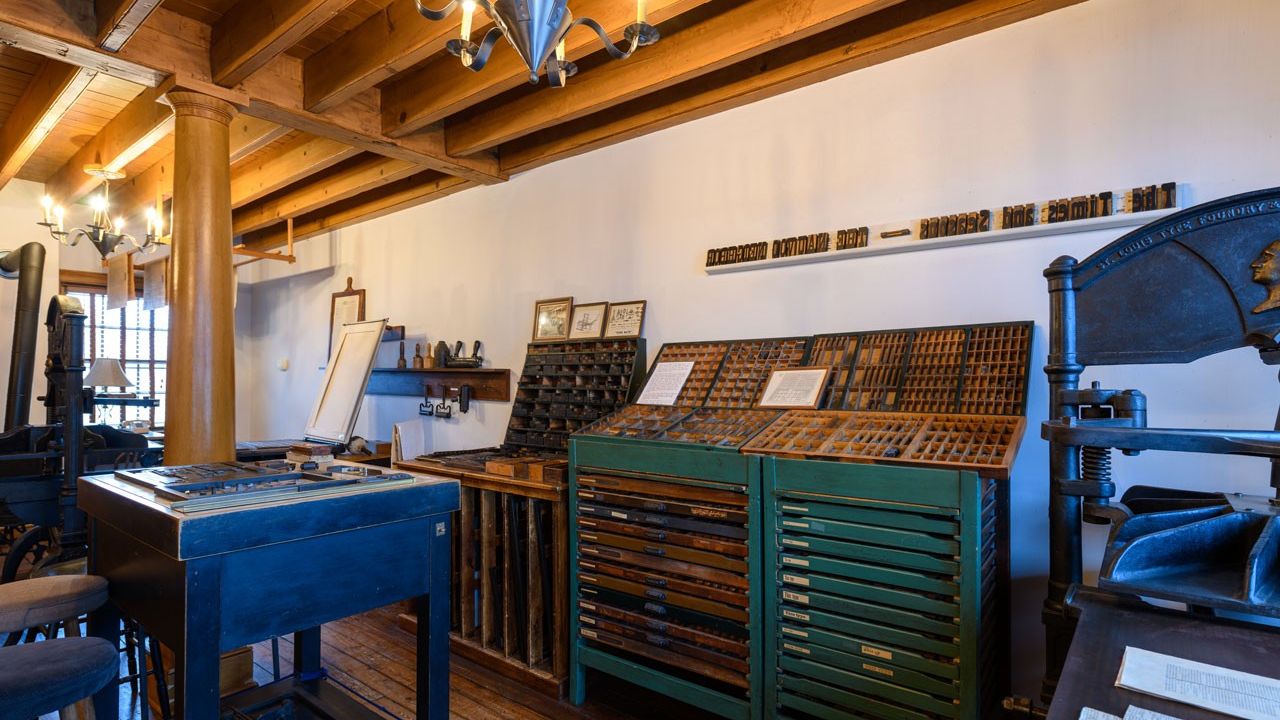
x: 665, y: 383
x: 1234, y: 693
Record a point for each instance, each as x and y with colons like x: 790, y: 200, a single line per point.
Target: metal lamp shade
x: 533, y: 27
x: 107, y: 372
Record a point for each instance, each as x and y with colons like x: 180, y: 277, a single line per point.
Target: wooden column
x: 200, y: 412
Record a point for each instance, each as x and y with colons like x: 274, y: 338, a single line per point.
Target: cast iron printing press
x: 1199, y: 282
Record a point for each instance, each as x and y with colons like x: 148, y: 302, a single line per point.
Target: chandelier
x: 105, y: 234
x: 536, y: 29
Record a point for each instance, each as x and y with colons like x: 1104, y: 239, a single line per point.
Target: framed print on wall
x: 588, y: 321
x: 625, y: 320
x: 551, y: 319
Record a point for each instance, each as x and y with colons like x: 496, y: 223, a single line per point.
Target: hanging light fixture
x: 105, y: 234
x: 536, y: 29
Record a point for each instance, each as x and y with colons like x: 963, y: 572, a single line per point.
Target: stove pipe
x: 27, y: 265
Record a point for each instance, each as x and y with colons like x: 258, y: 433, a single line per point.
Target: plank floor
x: 371, y: 655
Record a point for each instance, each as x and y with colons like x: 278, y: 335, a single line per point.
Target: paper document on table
x: 1091, y: 714
x: 1234, y: 693
x: 665, y: 383
x: 1137, y: 713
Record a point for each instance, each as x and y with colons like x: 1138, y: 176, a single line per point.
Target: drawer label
x: 589, y: 536
x: 795, y: 508
x: 877, y: 669
x: 793, y: 631
x: 795, y: 561
x: 795, y: 597
x: 794, y: 524
x: 586, y: 606
x: 795, y: 648
x: 877, y: 652
x: 587, y: 495
x: 619, y: 515
x: 587, y: 619
x: 585, y: 564
x: 804, y: 617
x: 795, y: 579
x: 793, y: 541
x: 589, y: 633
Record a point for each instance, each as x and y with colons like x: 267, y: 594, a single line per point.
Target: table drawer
x: 870, y: 668
x: 799, y: 562
x: 917, y: 641
x: 870, y: 553
x: 892, y: 597
x: 871, y: 612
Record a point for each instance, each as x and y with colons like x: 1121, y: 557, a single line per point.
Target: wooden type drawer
x: 667, y: 597
x: 674, y: 614
x: 658, y: 563
x: 870, y: 553
x: 912, y: 601
x: 664, y: 656
x: 664, y: 641
x: 801, y: 507
x: 856, y: 648
x: 871, y: 612
x: 917, y: 641
x: 662, y: 520
x: 721, y: 643
x: 829, y: 703
x: 872, y: 534
x: 652, y: 581
x: 698, y: 493
x: 861, y: 692
x: 664, y: 544
x: 679, y: 508
x: 869, y: 668
x: 801, y: 564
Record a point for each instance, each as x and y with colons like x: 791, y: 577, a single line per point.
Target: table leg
x: 433, y: 627
x: 306, y: 654
x: 105, y: 623
x: 197, y: 671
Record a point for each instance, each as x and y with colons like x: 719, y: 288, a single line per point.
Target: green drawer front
x: 856, y: 532
x: 870, y: 553
x: 864, y: 688
x: 936, y: 584
x: 805, y: 506
x: 806, y: 581
x: 935, y: 492
x: 870, y: 612
x: 892, y: 636
x: 846, y: 704
x: 638, y: 456
x: 860, y: 648
x: 878, y: 670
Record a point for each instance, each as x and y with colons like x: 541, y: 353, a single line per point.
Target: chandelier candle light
x: 536, y: 29
x: 105, y: 234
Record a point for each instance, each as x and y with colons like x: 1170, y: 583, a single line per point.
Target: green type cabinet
x: 887, y: 592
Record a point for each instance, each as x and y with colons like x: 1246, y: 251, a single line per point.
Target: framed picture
x: 551, y: 319
x: 345, y: 307
x: 625, y: 320
x: 588, y: 321
x: 794, y: 388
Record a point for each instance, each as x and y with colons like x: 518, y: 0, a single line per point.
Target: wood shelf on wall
x: 889, y: 247
x: 486, y: 383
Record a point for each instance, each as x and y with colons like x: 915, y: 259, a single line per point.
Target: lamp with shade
x: 108, y: 373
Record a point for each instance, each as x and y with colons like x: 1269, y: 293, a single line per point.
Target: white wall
x: 1107, y: 94
x: 19, y: 211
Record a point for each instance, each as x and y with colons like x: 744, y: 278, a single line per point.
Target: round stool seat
x: 38, y: 678
x: 40, y: 601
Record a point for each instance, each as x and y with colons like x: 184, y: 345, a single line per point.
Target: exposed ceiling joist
x: 253, y: 32
x: 296, y: 161
x: 443, y: 86
x: 250, y: 134
x: 739, y: 33
x: 893, y: 33
x: 51, y: 92
x: 118, y: 20
x: 411, y: 191
x: 368, y: 173
x: 143, y: 123
x: 391, y: 41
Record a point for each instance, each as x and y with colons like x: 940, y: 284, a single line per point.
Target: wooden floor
x: 373, y: 656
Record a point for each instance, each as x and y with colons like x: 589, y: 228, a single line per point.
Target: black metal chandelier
x: 536, y: 29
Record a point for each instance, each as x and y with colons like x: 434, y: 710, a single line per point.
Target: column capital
x: 190, y: 103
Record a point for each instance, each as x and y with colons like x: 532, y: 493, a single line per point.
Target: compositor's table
x: 204, y: 583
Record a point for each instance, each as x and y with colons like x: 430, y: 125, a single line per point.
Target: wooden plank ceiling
x: 351, y: 109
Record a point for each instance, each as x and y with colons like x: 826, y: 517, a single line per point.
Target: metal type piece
x: 706, y: 358
x: 747, y: 366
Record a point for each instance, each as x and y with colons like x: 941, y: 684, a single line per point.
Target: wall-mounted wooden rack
x: 486, y: 383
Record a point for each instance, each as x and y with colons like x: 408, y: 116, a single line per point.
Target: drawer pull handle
x: 655, y: 535
x: 655, y: 505
x: 656, y: 520
x: 655, y: 594
x: 654, y: 550
x: 655, y: 581
x: 655, y: 609
x: 657, y: 640
x: 656, y: 626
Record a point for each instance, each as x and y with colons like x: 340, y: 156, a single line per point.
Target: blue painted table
x: 204, y: 583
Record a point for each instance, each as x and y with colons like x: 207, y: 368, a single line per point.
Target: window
x: 138, y: 338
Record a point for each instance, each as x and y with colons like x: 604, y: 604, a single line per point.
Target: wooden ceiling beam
x: 118, y: 20
x: 400, y: 195
x: 390, y: 42
x: 296, y: 161
x: 142, y: 124
x: 740, y: 32
x: 52, y: 91
x: 443, y: 86
x: 253, y: 32
x: 893, y: 33
x: 368, y: 173
x: 250, y: 134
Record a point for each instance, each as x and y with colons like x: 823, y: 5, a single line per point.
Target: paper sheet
x: 665, y: 383
x: 1234, y: 693
x: 1137, y: 713
x: 1091, y: 714
x: 408, y: 440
